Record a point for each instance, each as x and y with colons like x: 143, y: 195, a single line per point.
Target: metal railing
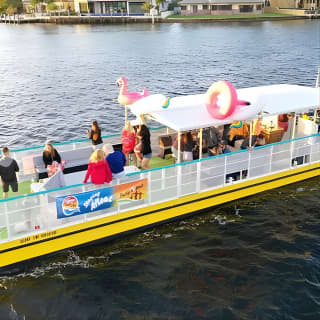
x: 33, y: 214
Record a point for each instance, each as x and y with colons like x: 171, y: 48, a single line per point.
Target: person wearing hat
x: 50, y: 154
x: 115, y: 159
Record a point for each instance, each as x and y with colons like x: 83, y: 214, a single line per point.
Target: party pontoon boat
x: 54, y: 218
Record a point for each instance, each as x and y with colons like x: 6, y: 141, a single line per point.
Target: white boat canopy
x: 189, y: 112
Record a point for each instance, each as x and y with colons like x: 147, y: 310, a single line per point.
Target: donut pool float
x: 228, y: 100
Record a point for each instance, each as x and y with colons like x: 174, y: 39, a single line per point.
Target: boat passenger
x: 223, y: 145
x: 283, y: 122
x: 214, y: 151
x: 256, y: 141
x: 128, y: 139
x: 187, y: 147
x: 138, y: 147
x: 116, y: 160
x: 211, y: 136
x: 238, y: 130
x: 8, y: 169
x: 174, y: 148
x: 98, y: 169
x: 144, y: 136
x: 95, y: 134
x: 50, y: 154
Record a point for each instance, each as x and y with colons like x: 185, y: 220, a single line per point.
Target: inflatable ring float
x: 230, y: 100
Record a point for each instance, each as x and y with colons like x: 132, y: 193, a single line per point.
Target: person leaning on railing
x: 95, y: 134
x: 8, y: 169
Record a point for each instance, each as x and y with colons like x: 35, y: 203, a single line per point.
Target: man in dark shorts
x: 8, y: 169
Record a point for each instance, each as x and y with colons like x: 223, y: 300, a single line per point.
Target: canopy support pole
x: 179, y: 146
x: 125, y: 114
x: 250, y: 135
x: 294, y: 126
x: 200, y: 146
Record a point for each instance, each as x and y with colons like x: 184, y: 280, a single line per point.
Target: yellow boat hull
x: 80, y: 234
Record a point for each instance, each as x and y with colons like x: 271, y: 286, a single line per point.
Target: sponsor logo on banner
x: 86, y: 202
x: 132, y: 191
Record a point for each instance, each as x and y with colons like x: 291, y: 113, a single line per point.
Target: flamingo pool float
x: 126, y: 98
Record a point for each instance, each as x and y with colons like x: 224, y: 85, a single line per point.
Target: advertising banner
x: 132, y: 191
x: 86, y: 202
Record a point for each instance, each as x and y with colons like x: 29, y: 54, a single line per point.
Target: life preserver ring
x: 227, y: 107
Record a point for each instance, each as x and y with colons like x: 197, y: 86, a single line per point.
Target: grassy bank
x: 231, y: 16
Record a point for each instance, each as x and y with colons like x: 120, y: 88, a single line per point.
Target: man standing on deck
x: 8, y: 169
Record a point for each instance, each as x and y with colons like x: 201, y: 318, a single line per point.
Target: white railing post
x: 7, y: 219
x: 179, y: 180
x: 271, y: 154
x: 198, y: 176
x: 249, y: 163
x: 163, y: 177
x: 46, y: 226
x: 225, y: 170
x: 291, y: 154
x: 149, y: 187
x: 74, y: 146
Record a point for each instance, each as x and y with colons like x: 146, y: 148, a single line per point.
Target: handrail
x: 222, y: 155
x: 43, y: 192
x: 160, y: 168
x: 76, y: 141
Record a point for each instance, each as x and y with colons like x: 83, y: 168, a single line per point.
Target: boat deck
x: 155, y: 162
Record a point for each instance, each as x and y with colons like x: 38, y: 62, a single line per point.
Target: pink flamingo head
x: 121, y: 82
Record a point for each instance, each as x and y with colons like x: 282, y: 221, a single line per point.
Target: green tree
x: 15, y: 6
x: 158, y: 2
x: 3, y: 6
x: 35, y: 4
x: 52, y: 6
x: 147, y: 6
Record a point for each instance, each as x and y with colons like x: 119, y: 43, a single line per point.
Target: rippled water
x: 257, y: 258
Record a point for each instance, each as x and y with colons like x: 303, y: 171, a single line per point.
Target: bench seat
x: 76, y: 160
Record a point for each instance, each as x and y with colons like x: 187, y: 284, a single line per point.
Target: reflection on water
x: 257, y: 258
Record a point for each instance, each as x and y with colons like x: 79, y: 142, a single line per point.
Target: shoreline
x: 144, y: 19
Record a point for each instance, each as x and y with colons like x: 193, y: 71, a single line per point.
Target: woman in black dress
x: 144, y: 136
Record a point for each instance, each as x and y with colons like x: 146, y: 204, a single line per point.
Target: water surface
x: 257, y: 258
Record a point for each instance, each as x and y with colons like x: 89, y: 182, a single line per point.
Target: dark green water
x: 257, y: 258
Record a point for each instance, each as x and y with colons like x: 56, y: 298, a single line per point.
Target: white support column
x: 128, y: 8
x: 250, y: 135
x: 179, y: 147
x: 200, y: 146
x: 292, y: 142
x: 294, y: 126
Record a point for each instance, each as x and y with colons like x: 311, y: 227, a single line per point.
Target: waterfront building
x: 218, y: 7
x: 109, y: 8
x: 295, y: 4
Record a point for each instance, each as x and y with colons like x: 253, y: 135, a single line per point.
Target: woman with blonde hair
x: 50, y: 154
x: 98, y: 169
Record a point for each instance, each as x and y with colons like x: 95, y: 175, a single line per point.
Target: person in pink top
x: 128, y: 139
x: 98, y: 169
